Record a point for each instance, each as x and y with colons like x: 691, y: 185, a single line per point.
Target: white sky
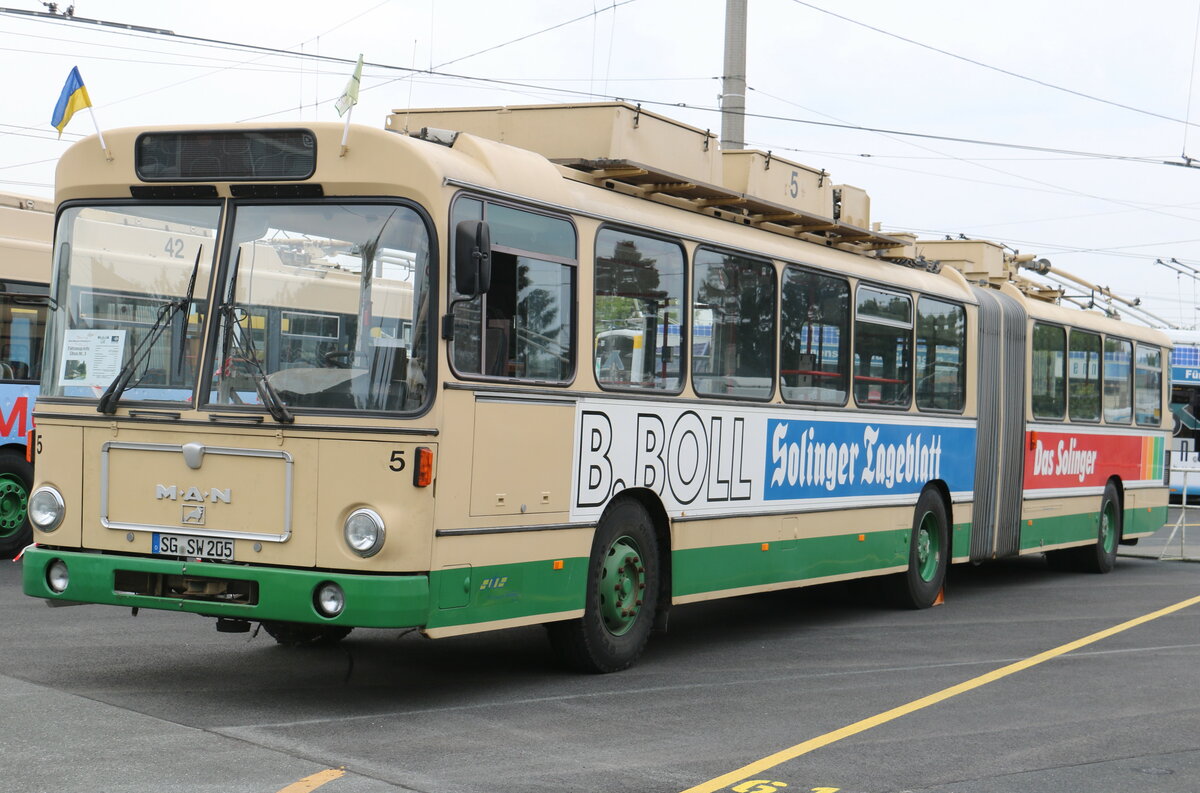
x: 1104, y: 220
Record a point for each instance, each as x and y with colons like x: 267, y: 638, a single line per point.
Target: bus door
x: 999, y: 447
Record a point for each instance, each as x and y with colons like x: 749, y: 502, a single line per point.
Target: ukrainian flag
x: 74, y: 97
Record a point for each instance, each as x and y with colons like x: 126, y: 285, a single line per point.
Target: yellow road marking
x: 314, y: 781
x: 759, y: 766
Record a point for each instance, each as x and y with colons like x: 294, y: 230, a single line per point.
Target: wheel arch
x: 943, y: 491
x: 662, y: 533
x: 1119, y: 485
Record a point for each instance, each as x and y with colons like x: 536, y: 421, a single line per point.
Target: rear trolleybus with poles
x: 569, y: 365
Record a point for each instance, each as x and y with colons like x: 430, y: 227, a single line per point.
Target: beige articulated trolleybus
x: 569, y: 365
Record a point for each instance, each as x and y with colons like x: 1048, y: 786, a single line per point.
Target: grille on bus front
x: 187, y: 587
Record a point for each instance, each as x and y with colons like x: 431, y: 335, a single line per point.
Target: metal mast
x: 733, y: 82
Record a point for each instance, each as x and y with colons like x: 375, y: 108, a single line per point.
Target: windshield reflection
x: 324, y: 306
x: 122, y: 310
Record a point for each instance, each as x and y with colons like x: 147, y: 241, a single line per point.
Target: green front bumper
x: 281, y: 593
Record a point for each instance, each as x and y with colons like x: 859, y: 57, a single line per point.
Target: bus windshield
x: 327, y: 304
x: 123, y: 274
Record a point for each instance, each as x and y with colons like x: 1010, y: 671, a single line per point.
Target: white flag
x: 349, y: 97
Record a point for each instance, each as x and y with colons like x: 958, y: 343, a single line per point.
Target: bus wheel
x: 621, y: 597
x: 928, y: 554
x: 304, y: 634
x: 1101, y: 557
x: 16, y: 477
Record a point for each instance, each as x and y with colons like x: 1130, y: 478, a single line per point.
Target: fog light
x: 46, y: 508
x: 364, y: 532
x: 330, y: 599
x: 57, y: 576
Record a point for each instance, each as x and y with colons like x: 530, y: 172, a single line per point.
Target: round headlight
x: 57, y: 576
x: 364, y: 532
x: 46, y: 508
x: 330, y: 599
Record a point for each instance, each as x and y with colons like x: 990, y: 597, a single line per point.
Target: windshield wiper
x: 166, y: 314
x: 266, y: 392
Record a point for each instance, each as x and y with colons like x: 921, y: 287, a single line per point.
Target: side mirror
x: 472, y: 258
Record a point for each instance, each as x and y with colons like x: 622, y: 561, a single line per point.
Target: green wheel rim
x: 622, y: 583
x: 929, y: 550
x: 14, y: 502
x: 1108, y: 522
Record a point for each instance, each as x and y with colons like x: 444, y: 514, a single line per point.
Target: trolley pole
x: 733, y: 82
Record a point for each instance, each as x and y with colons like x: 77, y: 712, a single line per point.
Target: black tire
x: 16, y: 479
x: 1102, y: 557
x: 621, y: 597
x: 928, y: 554
x: 305, y: 634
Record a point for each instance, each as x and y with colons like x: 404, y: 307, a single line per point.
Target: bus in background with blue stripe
x: 1185, y: 410
x: 26, y: 228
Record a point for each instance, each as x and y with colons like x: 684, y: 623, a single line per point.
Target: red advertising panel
x: 1080, y: 459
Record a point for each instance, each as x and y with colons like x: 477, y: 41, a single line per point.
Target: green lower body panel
x: 1146, y: 520
x: 470, y: 595
x: 1085, y: 527
x: 960, y: 541
x: 729, y: 567
x: 267, y: 593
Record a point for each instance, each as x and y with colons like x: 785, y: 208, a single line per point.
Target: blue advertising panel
x: 813, y: 459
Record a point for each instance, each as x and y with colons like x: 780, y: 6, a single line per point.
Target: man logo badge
x: 193, y: 515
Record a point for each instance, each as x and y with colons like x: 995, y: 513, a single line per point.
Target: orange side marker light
x: 766, y: 545
x: 558, y: 564
x: 423, y: 471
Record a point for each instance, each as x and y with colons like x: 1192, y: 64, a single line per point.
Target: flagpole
x: 346, y: 129
x: 99, y: 134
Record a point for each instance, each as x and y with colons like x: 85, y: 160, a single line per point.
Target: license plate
x: 194, y: 547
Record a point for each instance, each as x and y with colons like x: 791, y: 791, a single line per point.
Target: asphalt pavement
x: 95, y: 699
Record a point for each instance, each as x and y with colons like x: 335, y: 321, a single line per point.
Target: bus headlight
x: 329, y: 599
x: 46, y: 508
x: 57, y: 576
x: 364, y: 532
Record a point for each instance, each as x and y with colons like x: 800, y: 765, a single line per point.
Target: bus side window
x: 1083, y: 379
x: 1118, y: 380
x: 638, y: 311
x: 814, y: 337
x: 1048, y: 372
x: 20, y: 355
x: 882, y: 348
x: 528, y: 319
x: 735, y: 297
x: 1147, y: 386
x: 941, y: 355
x: 523, y: 326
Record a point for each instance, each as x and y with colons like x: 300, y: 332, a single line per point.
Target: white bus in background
x: 1185, y: 409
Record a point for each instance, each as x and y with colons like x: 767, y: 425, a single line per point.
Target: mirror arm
x: 448, y: 317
